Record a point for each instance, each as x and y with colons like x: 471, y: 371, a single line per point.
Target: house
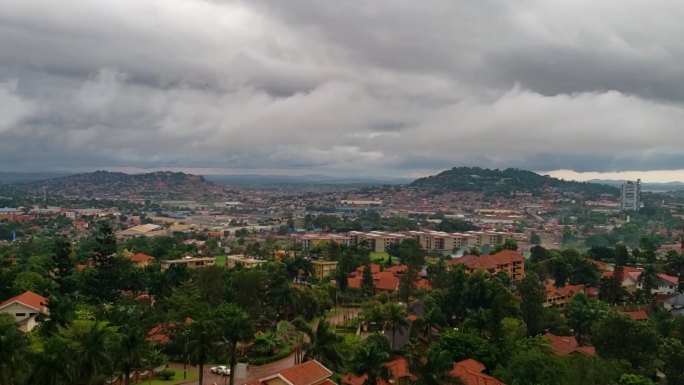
x: 190, y: 262
x: 385, y: 281
x: 667, y: 284
x: 675, y: 304
x: 470, y: 373
x: 564, y: 345
x: 508, y: 261
x: 638, y: 315
x: 398, y: 369
x: 243, y: 260
x: 561, y: 296
x: 25, y: 308
x: 141, y: 260
x: 147, y: 230
x: 323, y: 268
x: 308, y: 373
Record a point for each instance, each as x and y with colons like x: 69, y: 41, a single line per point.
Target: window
x: 20, y: 314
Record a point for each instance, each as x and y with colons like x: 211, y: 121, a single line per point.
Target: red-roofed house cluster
x: 507, y: 261
x: 564, y: 345
x: 384, y: 280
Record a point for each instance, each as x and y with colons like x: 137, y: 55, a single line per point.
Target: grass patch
x: 176, y: 379
x: 220, y: 260
x: 379, y: 257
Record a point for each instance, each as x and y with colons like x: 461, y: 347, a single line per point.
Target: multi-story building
x: 440, y: 241
x: 378, y: 241
x: 243, y: 260
x: 311, y: 240
x: 25, y: 309
x: 510, y: 262
x: 630, y: 199
x: 323, y: 268
x: 190, y: 262
x: 481, y: 238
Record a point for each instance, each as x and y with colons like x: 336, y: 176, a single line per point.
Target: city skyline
x: 377, y: 89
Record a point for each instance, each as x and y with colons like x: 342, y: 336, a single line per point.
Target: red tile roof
x: 386, y: 281
x: 397, y: 269
x: 141, y: 258
x: 308, y: 373
x: 638, y: 315
x: 397, y: 367
x: 29, y: 299
x: 564, y: 345
x: 470, y: 372
x: 487, y: 262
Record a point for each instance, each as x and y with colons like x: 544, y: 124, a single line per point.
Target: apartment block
x: 311, y: 240
x: 323, y: 268
x: 510, y: 262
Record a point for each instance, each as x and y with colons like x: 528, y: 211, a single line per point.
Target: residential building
x: 470, y: 373
x: 565, y: 345
x: 309, y: 241
x: 323, y: 268
x: 508, y: 261
x: 147, y: 230
x: 308, y: 373
x: 378, y: 241
x: 630, y: 197
x: 25, y: 308
x: 667, y: 284
x: 243, y: 260
x: 385, y: 281
x: 561, y: 296
x: 141, y: 260
x: 492, y: 238
x: 190, y: 262
x: 441, y: 241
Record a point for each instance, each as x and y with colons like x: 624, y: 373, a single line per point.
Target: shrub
x: 167, y: 374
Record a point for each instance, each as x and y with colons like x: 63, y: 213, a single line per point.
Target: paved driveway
x: 253, y: 372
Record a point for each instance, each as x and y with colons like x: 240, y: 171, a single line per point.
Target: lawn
x: 220, y: 260
x: 176, y: 379
x: 378, y: 256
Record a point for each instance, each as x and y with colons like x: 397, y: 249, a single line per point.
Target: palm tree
x: 13, y: 351
x: 93, y: 344
x: 433, y: 368
x: 370, y: 359
x: 132, y: 350
x: 395, y: 314
x: 201, y: 339
x: 322, y: 343
x: 234, y: 327
x: 53, y: 364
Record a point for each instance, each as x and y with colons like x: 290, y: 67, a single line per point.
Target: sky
x: 374, y: 88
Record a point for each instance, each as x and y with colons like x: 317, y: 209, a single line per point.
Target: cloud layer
x: 383, y: 87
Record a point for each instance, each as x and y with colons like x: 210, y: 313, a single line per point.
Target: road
x: 253, y: 372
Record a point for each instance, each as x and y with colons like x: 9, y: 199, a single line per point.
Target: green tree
x: 532, y: 298
x: 323, y: 342
x: 234, y: 327
x: 535, y: 239
x: 462, y: 345
x: 395, y: 314
x: 367, y: 281
x: 583, y: 312
x: 53, y: 364
x: 132, y: 349
x: 201, y: 343
x: 617, y: 337
x: 370, y: 359
x: 94, y: 345
x: 672, y: 354
x: 13, y: 352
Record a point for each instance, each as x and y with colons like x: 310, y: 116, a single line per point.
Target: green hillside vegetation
x: 505, y: 182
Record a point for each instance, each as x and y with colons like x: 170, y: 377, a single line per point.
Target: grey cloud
x: 371, y: 88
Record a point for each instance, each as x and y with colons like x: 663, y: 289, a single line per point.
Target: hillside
x: 506, y: 181
x: 106, y: 184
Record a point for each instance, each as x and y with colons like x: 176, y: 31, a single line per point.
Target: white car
x: 221, y: 369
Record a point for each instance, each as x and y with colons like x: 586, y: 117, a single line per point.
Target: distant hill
x: 19, y: 177
x: 106, y: 184
x: 504, y: 182
x: 271, y: 180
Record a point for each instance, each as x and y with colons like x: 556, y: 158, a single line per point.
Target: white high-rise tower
x: 631, y: 195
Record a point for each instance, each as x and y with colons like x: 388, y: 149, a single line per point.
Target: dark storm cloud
x: 381, y: 87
